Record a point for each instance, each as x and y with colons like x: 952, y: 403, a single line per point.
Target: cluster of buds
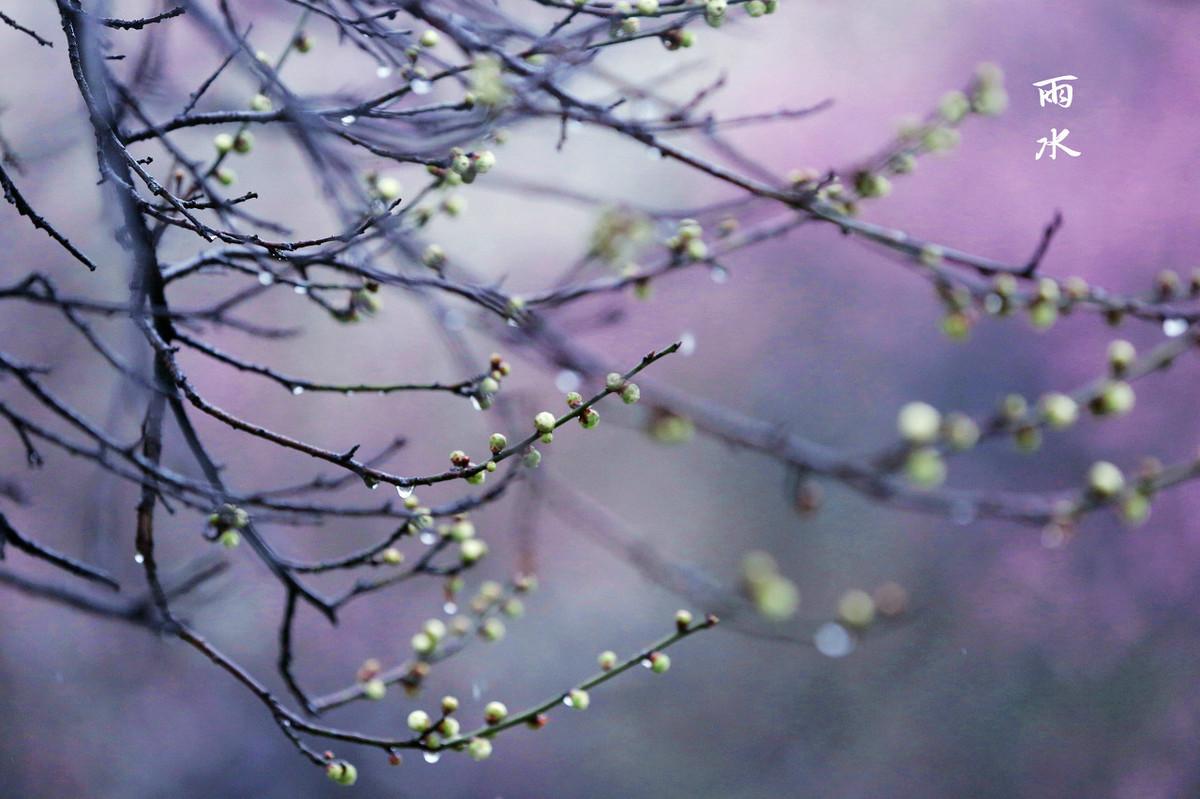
x: 463, y: 167
x: 616, y: 383
x: 688, y: 241
x: 226, y: 521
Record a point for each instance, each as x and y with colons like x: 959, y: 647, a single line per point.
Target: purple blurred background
x: 1023, y: 671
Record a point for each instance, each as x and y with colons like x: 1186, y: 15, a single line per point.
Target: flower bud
x: 462, y: 529
x: 683, y: 619
x: 659, y: 662
x: 494, y: 712
x: 613, y: 381
x: 1105, y: 480
x: 1115, y: 399
x: 856, y: 608
x: 1135, y: 507
x: 392, y: 556
x: 574, y: 400
x: 419, y: 721
x: 388, y: 188
x: 1058, y: 410
x: 607, y: 660
x: 919, y: 422
x: 925, y: 467
x: 544, y: 422
x: 375, y: 689
x: 223, y: 142
x: 225, y: 176
x: 434, y: 256
x: 260, y: 102
x: 230, y: 539
x: 342, y: 772
x: 449, y: 727
x: 631, y: 393
x: 484, y: 161
x: 460, y: 459
x: 479, y: 748
x: 1121, y: 355
x: 578, y: 699
x: 430, y: 38
x: 243, y: 142
x: 423, y: 643
x: 589, y: 418
x: 449, y: 704
x: 497, y: 443
x: 961, y: 431
x: 472, y: 550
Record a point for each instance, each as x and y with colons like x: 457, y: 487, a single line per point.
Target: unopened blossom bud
x: 1105, y: 480
x: 375, y: 689
x: 631, y: 393
x: 472, y: 550
x: 423, y: 643
x: 460, y: 459
x: 683, y: 619
x: 1115, y: 399
x: 579, y: 699
x: 659, y: 662
x: 607, y: 660
x: 1121, y: 355
x: 544, y: 422
x: 1058, y: 410
x: 392, y: 556
x: 494, y: 712
x: 484, y: 161
x: 260, y: 102
x: 919, y: 422
x: 243, y: 142
x: 589, y: 418
x: 419, y: 721
x: 223, y: 142
x: 230, y: 539
x: 574, y: 400
x: 497, y: 443
x: 225, y: 176
x: 430, y: 38
x: 342, y: 772
x: 925, y: 467
x: 856, y: 608
x: 449, y: 727
x: 613, y: 381
x: 449, y: 704
x: 479, y: 748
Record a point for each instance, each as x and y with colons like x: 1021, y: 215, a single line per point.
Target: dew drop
x: 567, y: 380
x: 832, y: 640
x: 349, y: 120
x: 1174, y: 327
x: 427, y: 538
x: 137, y: 558
x: 431, y: 757
x: 567, y: 701
x: 719, y: 274
x: 421, y: 86
x: 348, y: 393
x: 266, y: 278
x: 300, y: 289
x: 646, y: 663
x: 687, y: 344
x: 475, y: 403
x: 450, y: 608
x: 383, y: 71
x: 404, y: 491
x: 297, y: 390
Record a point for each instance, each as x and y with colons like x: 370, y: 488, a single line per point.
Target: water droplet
x: 567, y: 380
x: 687, y: 344
x: 450, y: 608
x: 383, y: 71
x: 297, y: 390
x: 349, y: 119
x: 646, y: 663
x: 371, y: 483
x: 832, y: 640
x: 567, y: 701
x: 421, y: 86
x: 427, y: 538
x: 475, y: 403
x: 404, y: 491
x: 348, y: 393
x: 431, y: 757
x: 285, y: 723
x: 300, y: 289
x: 719, y: 274
x: 1174, y: 327
x: 137, y: 558
x: 266, y: 278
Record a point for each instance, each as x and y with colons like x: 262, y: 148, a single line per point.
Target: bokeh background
x: 1022, y: 671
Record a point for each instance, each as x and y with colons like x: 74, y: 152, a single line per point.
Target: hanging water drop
x: 833, y: 640
x: 475, y: 403
x: 427, y: 538
x: 297, y: 390
x: 266, y: 278
x: 1174, y: 327
x: 719, y: 274
x: 687, y: 344
x: 349, y: 120
x: 450, y: 608
x: 300, y: 289
x: 383, y: 71
x: 137, y: 558
x: 404, y: 491
x: 432, y: 757
x: 421, y: 86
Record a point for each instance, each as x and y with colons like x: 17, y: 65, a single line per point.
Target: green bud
x: 607, y: 660
x: 449, y: 727
x: 647, y: 6
x: 494, y: 712
x: 434, y: 256
x: 659, y: 662
x: 856, y: 608
x: 919, y: 422
x: 342, y: 772
x: 484, y: 161
x: 1135, y: 507
x: 1058, y: 410
x: 388, y: 188
x: 954, y: 106
x: 449, y: 704
x: 574, y: 400
x: 303, y: 42
x: 489, y: 385
x: 230, y: 539
x: 613, y: 381
x: 1116, y: 399
x: 454, y: 205
x: 223, y: 142
x: 472, y: 550
x: 513, y: 608
x: 430, y: 38
x: 492, y: 630
x: 532, y: 458
x: 1043, y: 314
x: 1105, y: 480
x: 392, y: 556
x: 479, y: 748
x: 1121, y: 355
x: 497, y: 443
x: 435, y: 629
x: 631, y: 393
x: 925, y: 468
x: 419, y: 721
x: 225, y: 176
x: 1027, y: 438
x: 243, y: 142
x: 375, y: 689
x: 578, y: 699
x: 589, y: 418
x: 544, y: 422
x: 423, y: 643
x: 872, y: 184
x: 260, y: 102
x: 683, y: 619
x: 961, y: 431
x: 903, y: 163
